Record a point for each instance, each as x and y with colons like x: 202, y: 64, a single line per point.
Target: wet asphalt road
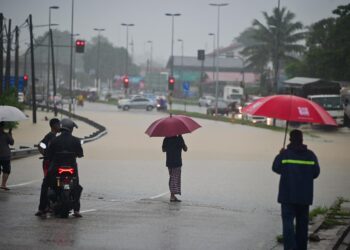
x: 229, y: 191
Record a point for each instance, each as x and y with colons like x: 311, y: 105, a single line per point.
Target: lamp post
x: 151, y: 56
x: 48, y: 58
x: 182, y: 57
x: 214, y: 53
x: 71, y: 59
x: 99, y: 30
x: 218, y: 5
x: 172, y: 41
x: 127, y: 25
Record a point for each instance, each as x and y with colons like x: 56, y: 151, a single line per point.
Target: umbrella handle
x: 285, y: 134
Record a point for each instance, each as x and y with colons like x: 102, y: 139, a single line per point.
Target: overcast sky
x: 196, y: 21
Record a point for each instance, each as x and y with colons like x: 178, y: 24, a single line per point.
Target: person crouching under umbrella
x: 173, y: 147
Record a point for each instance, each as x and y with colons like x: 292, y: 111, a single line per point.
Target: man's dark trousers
x: 295, y: 239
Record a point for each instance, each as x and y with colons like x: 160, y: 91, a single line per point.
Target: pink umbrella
x: 171, y: 126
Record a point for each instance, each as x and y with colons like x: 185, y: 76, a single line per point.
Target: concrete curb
x: 29, y: 151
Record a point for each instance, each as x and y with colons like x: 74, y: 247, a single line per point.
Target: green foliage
x: 317, y: 211
x: 112, y: 59
x: 275, y: 42
x: 328, y: 49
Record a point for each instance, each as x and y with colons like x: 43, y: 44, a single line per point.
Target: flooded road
x: 229, y: 191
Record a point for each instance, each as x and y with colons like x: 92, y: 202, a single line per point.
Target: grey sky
x: 196, y: 21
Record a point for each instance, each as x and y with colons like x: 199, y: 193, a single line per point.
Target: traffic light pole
x: 16, y: 59
x: 1, y: 51
x: 53, y: 73
x: 33, y: 67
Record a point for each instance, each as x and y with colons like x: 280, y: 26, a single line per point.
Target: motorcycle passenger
x: 65, y: 142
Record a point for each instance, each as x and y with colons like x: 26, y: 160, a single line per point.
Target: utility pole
x: 53, y: 73
x: 1, y: 51
x: 71, y: 61
x: 33, y: 67
x: 16, y: 60
x: 8, y: 58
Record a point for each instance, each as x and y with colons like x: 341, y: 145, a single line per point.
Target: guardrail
x: 28, y: 151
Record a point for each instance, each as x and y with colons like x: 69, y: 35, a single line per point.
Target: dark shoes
x: 5, y: 188
x: 76, y: 214
x: 174, y: 200
x: 41, y: 214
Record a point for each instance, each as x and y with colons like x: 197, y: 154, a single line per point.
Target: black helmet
x: 68, y: 125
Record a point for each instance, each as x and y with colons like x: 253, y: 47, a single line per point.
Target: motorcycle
x: 64, y: 189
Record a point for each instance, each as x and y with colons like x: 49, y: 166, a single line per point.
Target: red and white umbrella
x: 290, y: 108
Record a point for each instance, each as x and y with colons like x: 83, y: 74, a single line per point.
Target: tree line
x: 321, y: 50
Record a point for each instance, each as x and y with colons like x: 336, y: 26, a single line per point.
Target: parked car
x: 206, y: 101
x: 223, y: 108
x: 137, y: 103
x: 254, y: 118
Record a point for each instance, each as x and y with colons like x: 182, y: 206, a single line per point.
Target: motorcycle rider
x: 64, y: 142
x: 55, y: 125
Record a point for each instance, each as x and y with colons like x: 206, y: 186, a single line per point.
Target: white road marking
x: 23, y: 184
x: 159, y: 195
x: 113, y: 200
x: 89, y: 210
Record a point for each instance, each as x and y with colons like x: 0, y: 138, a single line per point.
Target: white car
x: 206, y: 100
x: 137, y: 103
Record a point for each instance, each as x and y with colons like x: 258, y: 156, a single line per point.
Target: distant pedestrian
x: 298, y: 167
x: 5, y: 155
x: 173, y: 147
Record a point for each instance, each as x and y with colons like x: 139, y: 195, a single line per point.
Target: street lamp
x: 172, y: 41
x: 127, y: 25
x: 99, y: 30
x: 214, y: 53
x: 71, y: 59
x: 48, y: 58
x: 182, y: 57
x: 218, y: 5
x: 151, y: 56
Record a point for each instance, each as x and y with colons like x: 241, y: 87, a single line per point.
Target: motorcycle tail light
x: 65, y: 170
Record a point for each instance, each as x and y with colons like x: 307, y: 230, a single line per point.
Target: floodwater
x: 229, y: 191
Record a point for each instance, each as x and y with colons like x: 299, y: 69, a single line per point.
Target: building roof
x: 302, y: 80
x: 249, y: 77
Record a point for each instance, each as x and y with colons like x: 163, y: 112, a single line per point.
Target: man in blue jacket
x: 298, y: 167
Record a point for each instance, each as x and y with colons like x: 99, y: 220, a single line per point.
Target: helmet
x: 68, y: 125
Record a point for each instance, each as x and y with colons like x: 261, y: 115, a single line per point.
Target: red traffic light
x: 80, y: 43
x: 25, y: 77
x: 171, y: 83
x: 171, y: 80
x: 79, y: 46
x: 126, y: 81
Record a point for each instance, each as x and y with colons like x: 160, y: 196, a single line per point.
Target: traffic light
x: 79, y: 46
x: 126, y: 82
x: 25, y: 80
x: 201, y: 54
x: 171, y: 82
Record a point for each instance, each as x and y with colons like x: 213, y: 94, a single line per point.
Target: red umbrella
x: 290, y: 108
x: 171, y: 126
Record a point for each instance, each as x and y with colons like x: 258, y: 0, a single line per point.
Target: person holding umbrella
x: 298, y: 167
x: 173, y: 147
x: 5, y: 155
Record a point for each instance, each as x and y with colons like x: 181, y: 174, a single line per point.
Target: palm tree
x: 276, y: 42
